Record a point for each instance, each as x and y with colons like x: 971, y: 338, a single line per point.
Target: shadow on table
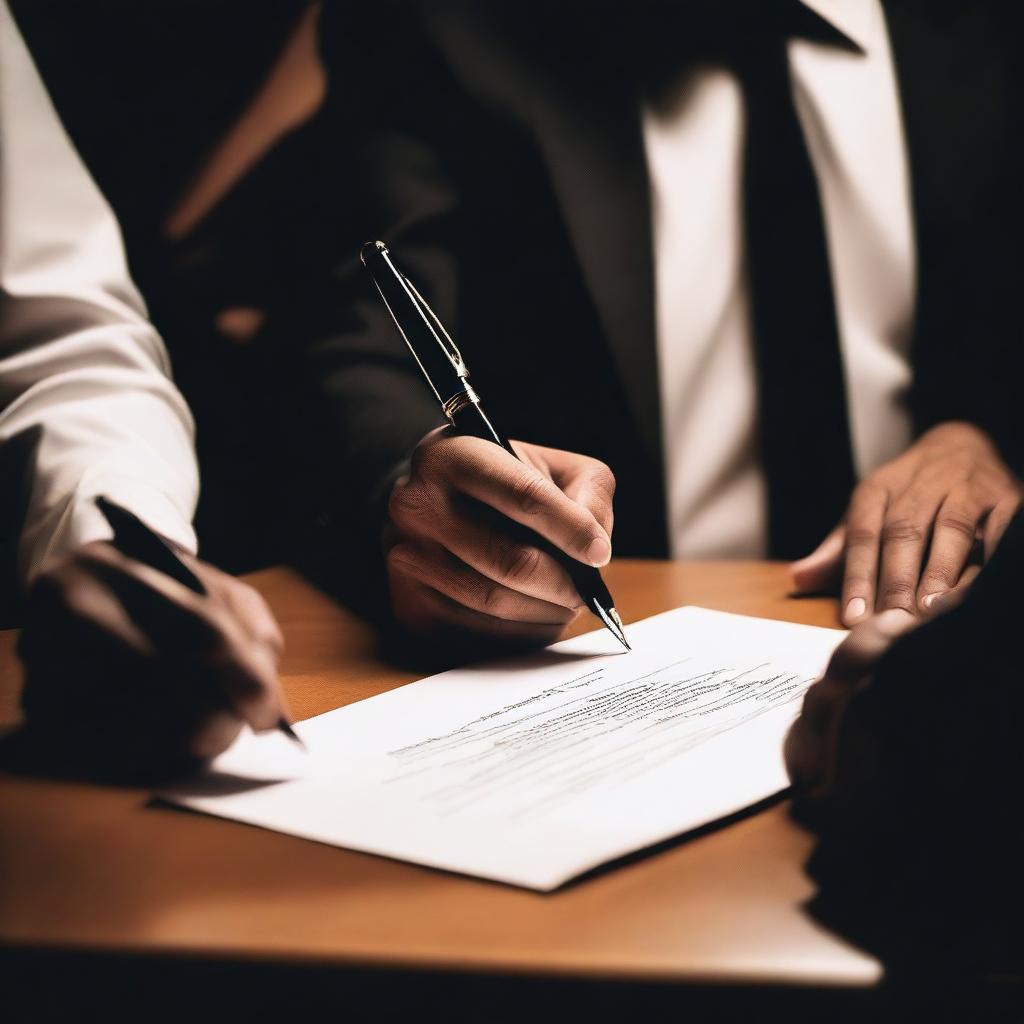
x: 29, y: 753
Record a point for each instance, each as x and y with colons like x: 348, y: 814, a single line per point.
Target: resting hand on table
x: 137, y: 674
x: 912, y: 525
x: 811, y: 746
x: 457, y: 561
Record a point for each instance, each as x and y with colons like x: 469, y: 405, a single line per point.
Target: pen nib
x: 610, y: 617
x: 285, y: 726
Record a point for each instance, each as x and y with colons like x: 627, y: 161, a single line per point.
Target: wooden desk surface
x: 86, y: 867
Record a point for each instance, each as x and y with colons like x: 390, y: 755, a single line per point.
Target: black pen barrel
x: 472, y: 421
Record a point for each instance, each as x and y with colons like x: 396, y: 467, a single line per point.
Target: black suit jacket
x: 500, y: 154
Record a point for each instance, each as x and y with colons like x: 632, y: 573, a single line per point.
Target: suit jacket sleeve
x: 370, y: 404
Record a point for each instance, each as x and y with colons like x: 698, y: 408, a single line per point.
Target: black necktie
x: 805, y: 435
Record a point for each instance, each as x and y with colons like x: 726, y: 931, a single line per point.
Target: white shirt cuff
x: 80, y: 522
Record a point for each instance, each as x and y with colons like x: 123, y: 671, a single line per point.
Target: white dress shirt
x: 848, y: 108
x: 78, y: 359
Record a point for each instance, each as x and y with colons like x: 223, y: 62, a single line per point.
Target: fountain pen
x: 445, y: 371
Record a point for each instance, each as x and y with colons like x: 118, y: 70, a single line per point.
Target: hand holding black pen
x: 489, y: 537
x: 139, y: 667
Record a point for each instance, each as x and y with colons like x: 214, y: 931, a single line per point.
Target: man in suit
x: 755, y: 258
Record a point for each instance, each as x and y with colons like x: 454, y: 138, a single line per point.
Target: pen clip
x: 437, y: 356
x: 444, y: 339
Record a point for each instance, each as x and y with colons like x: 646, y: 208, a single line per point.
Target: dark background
x: 147, y: 91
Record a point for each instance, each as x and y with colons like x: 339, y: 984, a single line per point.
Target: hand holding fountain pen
x: 446, y: 373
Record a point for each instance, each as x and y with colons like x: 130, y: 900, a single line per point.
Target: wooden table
x: 96, y: 869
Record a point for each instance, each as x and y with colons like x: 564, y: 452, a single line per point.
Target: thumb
x: 821, y: 569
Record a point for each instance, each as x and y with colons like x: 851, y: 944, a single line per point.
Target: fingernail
x: 856, y: 608
x: 928, y: 600
x: 944, y: 601
x: 599, y: 551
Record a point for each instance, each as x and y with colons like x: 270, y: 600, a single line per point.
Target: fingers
x: 422, y: 609
x: 863, y: 540
x: 586, y: 481
x: 861, y: 650
x: 71, y: 599
x: 434, y: 567
x: 951, y: 598
x: 250, y: 609
x: 516, y: 489
x: 905, y: 537
x: 194, y: 635
x: 130, y: 675
x: 460, y: 557
x: 953, y: 537
x: 999, y: 519
x: 504, y: 559
x: 810, y: 745
x: 820, y: 569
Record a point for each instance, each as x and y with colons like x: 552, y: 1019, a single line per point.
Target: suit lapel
x: 567, y: 75
x: 593, y: 146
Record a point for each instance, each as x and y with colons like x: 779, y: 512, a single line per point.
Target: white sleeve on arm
x: 81, y: 368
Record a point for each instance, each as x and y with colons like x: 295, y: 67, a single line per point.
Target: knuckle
x: 493, y: 599
x: 519, y: 562
x: 861, y: 537
x: 941, y: 574
x: 407, y: 503
x: 898, y: 594
x: 870, y: 490
x: 531, y: 493
x: 962, y: 463
x: 957, y: 521
x: 901, y: 529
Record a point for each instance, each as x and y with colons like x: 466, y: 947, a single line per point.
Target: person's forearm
x: 119, y: 430
x: 84, y: 378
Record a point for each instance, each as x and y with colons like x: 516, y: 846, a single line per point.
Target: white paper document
x: 534, y: 769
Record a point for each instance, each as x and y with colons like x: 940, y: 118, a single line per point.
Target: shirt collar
x: 851, y: 17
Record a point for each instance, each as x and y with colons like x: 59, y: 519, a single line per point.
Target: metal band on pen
x: 458, y: 402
